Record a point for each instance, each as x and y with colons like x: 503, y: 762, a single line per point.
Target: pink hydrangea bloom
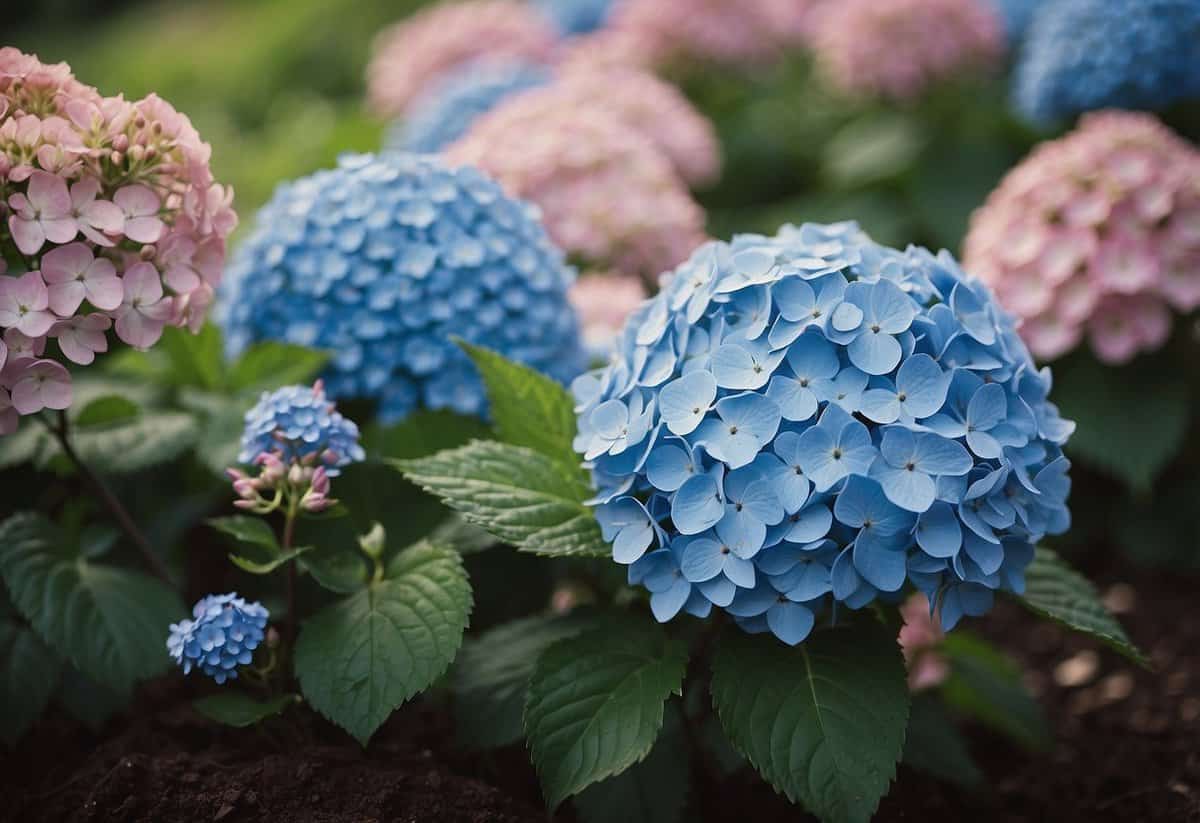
x: 410, y: 54
x: 655, y: 108
x: 899, y: 48
x: 604, y: 301
x: 919, y: 638
x: 112, y: 211
x: 608, y: 195
x: 1095, y: 235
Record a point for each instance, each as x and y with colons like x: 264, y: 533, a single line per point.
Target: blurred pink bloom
x: 24, y: 303
x: 143, y: 311
x: 899, y: 48
x: 409, y: 55
x: 920, y: 638
x: 41, y: 384
x: 82, y: 336
x: 74, y: 274
x: 42, y: 213
x: 1107, y: 221
x: 604, y: 301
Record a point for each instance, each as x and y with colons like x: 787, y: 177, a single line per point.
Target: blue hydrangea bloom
x: 223, y: 633
x: 382, y: 261
x: 1082, y: 55
x: 573, y: 17
x: 298, y: 422
x: 444, y: 113
x: 813, y: 419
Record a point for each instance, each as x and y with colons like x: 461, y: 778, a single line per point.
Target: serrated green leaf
x: 873, y: 148
x: 651, y: 791
x: 492, y: 673
x: 934, y: 744
x: 519, y: 495
x: 270, y: 364
x: 1055, y: 590
x: 239, y: 710
x: 135, y: 444
x: 595, y: 703
x: 463, y: 537
x: 986, y: 685
x: 340, y: 570
x: 823, y: 722
x: 245, y: 529
x: 110, y: 622
x: 268, y: 566
x: 529, y: 408
x: 1131, y: 420
x: 28, y: 676
x: 112, y: 408
x: 360, y: 658
x: 196, y: 359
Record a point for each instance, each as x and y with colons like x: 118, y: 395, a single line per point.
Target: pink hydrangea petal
x: 104, y: 289
x: 137, y: 201
x: 103, y: 215
x: 65, y: 297
x: 136, y: 329
x: 182, y: 279
x: 74, y: 349
x: 84, y: 191
x: 48, y: 194
x: 27, y: 234
x: 66, y: 262
x: 3, y: 353
x: 144, y: 229
x: 142, y: 284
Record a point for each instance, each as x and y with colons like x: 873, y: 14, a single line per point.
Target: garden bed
x: 1125, y: 749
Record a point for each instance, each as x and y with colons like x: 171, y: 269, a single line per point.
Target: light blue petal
x: 666, y: 604
x: 684, y: 402
x: 668, y: 467
x: 702, y: 560
x: 846, y: 317
x: 812, y: 357
x: 939, y: 533
x: 796, y: 403
x: 923, y: 384
x: 988, y: 406
x: 698, y: 505
x: 938, y: 455
x: 874, y: 352
x: 809, y: 525
x: 883, y: 568
x: 880, y: 405
x: 740, y: 571
x: 790, y: 622
x: 909, y: 489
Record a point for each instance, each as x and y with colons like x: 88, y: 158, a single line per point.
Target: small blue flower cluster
x: 1083, y: 55
x: 385, y: 258
x: 223, y: 633
x: 299, y: 422
x: 446, y: 111
x: 573, y: 17
x: 814, y: 419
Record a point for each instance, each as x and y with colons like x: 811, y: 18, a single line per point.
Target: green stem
x: 289, y: 528
x: 119, y: 513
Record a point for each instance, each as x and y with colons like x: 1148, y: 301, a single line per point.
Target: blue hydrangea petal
x: 790, y: 622
x: 939, y: 533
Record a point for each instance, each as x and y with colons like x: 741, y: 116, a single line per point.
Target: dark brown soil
x: 1127, y: 749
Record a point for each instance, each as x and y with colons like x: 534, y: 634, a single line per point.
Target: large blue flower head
x: 383, y: 261
x: 813, y: 419
x: 298, y: 423
x: 223, y: 633
x: 573, y: 17
x: 445, y: 111
x: 1082, y: 55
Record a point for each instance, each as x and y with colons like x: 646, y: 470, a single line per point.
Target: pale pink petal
x: 142, y: 284
x: 75, y: 349
x: 48, y: 194
x: 104, y: 289
x: 137, y: 201
x: 27, y: 234
x: 3, y: 354
x: 144, y: 229
x: 66, y: 263
x: 84, y: 191
x: 137, y: 329
x: 66, y: 297
x: 103, y: 215
x: 182, y: 279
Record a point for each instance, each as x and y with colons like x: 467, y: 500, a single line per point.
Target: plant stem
x: 289, y: 528
x: 62, y: 433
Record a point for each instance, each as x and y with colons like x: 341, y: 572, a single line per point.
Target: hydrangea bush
x: 810, y: 420
x: 386, y: 258
x: 1095, y: 234
x: 110, y: 219
x: 1082, y: 55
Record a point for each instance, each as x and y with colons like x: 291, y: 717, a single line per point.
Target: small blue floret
x: 223, y: 633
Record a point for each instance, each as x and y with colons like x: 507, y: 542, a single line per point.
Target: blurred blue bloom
x: 445, y: 111
x: 299, y: 422
x: 810, y: 420
x: 385, y: 258
x: 573, y: 17
x: 223, y: 633
x: 1082, y: 55
x: 1016, y: 16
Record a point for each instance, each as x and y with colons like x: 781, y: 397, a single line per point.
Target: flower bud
x: 373, y: 542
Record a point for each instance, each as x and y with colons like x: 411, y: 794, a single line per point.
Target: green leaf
x: 1055, y: 590
x: 652, y: 791
x: 28, y: 675
x: 1131, y: 420
x: 240, y: 710
x: 266, y: 567
x: 423, y: 433
x: 873, y: 148
x: 595, y: 703
x: 519, y: 495
x: 271, y: 364
x: 196, y: 359
x: 340, y: 570
x: 110, y: 622
x: 463, y: 537
x: 133, y: 444
x: 986, y: 684
x: 89, y: 702
x: 360, y: 658
x: 934, y: 744
x: 530, y: 409
x: 246, y: 529
x: 492, y: 673
x: 822, y: 722
x: 108, y: 409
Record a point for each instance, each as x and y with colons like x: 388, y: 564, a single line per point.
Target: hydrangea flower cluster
x: 573, y: 17
x: 575, y: 162
x: 109, y: 219
x: 382, y: 261
x: 223, y: 633
x: 444, y: 112
x: 604, y: 301
x: 1095, y: 233
x: 1083, y: 55
x: 412, y: 55
x: 812, y: 419
x: 900, y: 48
